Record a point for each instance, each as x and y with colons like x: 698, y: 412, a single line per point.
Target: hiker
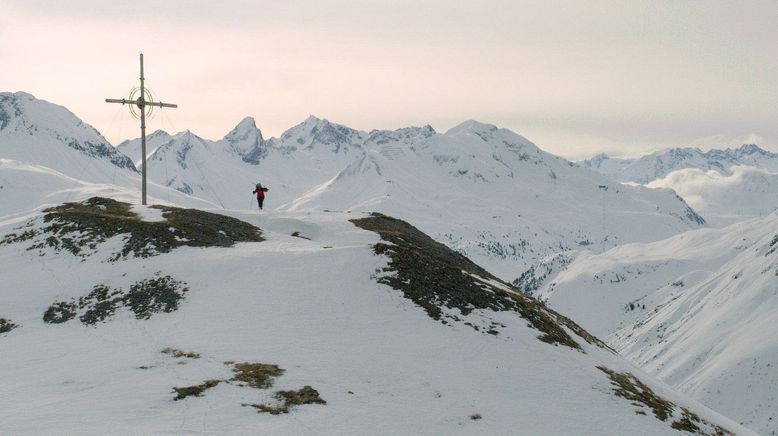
x: 260, y: 191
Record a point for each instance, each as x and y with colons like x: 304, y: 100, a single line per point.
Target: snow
x: 146, y: 213
x: 316, y: 312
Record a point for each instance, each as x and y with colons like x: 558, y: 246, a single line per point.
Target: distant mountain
x: 657, y: 165
x: 163, y: 320
x: 132, y: 147
x: 488, y: 192
x: 697, y: 310
x: 38, y: 132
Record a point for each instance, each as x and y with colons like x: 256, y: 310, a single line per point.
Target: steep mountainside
x: 697, y: 310
x: 167, y: 320
x: 34, y: 131
x: 658, y: 165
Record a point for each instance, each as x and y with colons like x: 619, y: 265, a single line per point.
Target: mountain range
x: 537, y: 203
x: 659, y: 164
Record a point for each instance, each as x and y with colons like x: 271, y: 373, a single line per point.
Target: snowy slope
x: 748, y: 192
x: 25, y: 186
x: 697, y: 310
x: 487, y: 192
x: 659, y: 164
x: 323, y: 307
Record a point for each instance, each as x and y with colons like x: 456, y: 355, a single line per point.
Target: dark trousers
x: 260, y: 200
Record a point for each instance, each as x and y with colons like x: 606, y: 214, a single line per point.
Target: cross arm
x: 135, y: 102
x: 160, y: 104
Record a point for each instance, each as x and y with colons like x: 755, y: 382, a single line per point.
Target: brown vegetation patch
x: 256, y: 375
x: 79, y: 227
x: 435, y: 277
x: 6, y: 325
x: 196, y: 390
x: 628, y: 386
x: 289, y: 399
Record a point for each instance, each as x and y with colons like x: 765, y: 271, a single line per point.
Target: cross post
x: 141, y: 103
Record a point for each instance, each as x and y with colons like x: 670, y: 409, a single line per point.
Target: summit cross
x: 141, y: 103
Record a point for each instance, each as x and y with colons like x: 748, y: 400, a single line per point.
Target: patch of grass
x: 687, y: 422
x: 155, y: 295
x: 59, y: 312
x: 435, y: 277
x: 73, y: 227
x: 100, y: 304
x: 6, y: 325
x: 196, y: 390
x: 256, y: 375
x: 180, y: 354
x: 628, y: 386
x: 146, y: 297
x: 289, y: 399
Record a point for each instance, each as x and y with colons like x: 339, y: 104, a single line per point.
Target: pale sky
x: 575, y: 77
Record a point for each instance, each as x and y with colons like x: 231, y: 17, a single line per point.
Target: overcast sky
x: 575, y: 77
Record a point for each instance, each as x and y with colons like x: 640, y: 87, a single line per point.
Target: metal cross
x: 141, y: 102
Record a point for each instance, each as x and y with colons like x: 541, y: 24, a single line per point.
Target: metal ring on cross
x: 134, y: 96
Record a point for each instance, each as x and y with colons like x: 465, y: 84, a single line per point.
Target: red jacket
x: 260, y: 192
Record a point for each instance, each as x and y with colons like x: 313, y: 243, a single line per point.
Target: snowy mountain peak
x: 314, y: 132
x: 246, y: 141
x: 751, y: 149
x: 405, y: 135
x: 491, y: 134
x: 132, y: 147
x: 471, y: 126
